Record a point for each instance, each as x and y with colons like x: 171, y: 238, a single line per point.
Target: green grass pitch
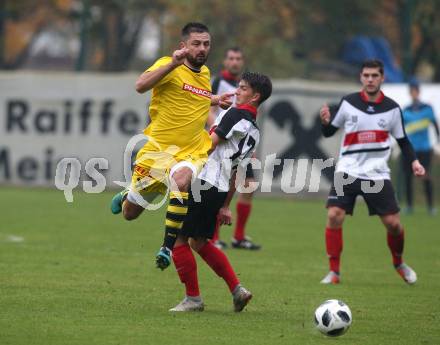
x: 83, y: 276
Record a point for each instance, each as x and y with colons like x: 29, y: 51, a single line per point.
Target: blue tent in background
x: 361, y: 48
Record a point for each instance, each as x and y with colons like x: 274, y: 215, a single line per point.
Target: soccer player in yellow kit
x: 177, y: 144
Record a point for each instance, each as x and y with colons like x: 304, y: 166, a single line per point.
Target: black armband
x: 407, y: 149
x: 328, y: 130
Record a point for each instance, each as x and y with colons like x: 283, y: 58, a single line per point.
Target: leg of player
x: 220, y: 264
x: 426, y: 159
x: 130, y: 210
x: 216, y: 238
x: 176, y: 213
x: 118, y: 201
x: 396, y: 239
x: 244, y: 207
x: 427, y: 183
x: 186, y: 268
x: 334, y: 243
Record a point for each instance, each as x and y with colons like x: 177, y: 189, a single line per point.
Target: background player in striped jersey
x: 235, y: 135
x: 178, y: 144
x: 418, y: 117
x: 368, y: 118
x: 227, y: 81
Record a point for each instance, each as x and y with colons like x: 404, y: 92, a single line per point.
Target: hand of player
x: 179, y: 56
x: 324, y: 114
x: 417, y: 168
x: 224, y: 216
x: 225, y: 100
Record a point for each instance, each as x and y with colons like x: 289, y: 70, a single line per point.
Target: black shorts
x: 201, y: 218
x: 381, y: 203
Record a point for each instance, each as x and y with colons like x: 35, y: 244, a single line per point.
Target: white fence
x: 47, y: 117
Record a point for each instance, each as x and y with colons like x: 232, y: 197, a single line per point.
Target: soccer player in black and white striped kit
x: 369, y: 120
x: 235, y: 136
x: 227, y: 82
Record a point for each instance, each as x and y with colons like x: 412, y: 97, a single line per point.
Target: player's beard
x: 197, y: 61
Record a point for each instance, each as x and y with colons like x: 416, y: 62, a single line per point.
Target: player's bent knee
x: 182, y: 178
x: 245, y: 197
x: 197, y: 244
x: 131, y: 212
x: 128, y: 215
x: 394, y: 227
x: 181, y: 240
x: 336, y: 216
x: 392, y: 223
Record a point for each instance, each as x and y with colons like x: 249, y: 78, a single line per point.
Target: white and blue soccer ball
x: 333, y: 318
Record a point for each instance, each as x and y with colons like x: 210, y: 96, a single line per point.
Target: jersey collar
x: 416, y: 105
x: 249, y: 108
x: 229, y: 76
x: 379, y: 99
x: 193, y: 69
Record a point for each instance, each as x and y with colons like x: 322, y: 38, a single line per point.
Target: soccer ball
x: 333, y: 318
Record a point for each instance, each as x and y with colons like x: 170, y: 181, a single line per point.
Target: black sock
x: 176, y: 214
x: 429, y: 193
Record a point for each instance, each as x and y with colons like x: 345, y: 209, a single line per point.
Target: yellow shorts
x: 152, y: 169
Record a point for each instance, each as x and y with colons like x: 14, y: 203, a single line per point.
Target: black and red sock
x: 396, y: 244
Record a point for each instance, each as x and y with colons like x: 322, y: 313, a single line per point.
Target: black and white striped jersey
x: 368, y: 127
x: 240, y: 134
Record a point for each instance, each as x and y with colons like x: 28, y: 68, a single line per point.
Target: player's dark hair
x: 234, y: 49
x: 373, y: 63
x: 189, y: 28
x: 259, y: 83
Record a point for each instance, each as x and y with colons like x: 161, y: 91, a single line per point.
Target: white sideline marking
x: 15, y: 239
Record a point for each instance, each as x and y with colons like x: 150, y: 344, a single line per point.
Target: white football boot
x: 240, y: 298
x: 407, y: 273
x: 188, y: 304
x: 331, y: 278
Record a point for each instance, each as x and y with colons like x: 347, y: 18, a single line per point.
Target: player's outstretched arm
x: 148, y: 80
x: 224, y: 100
x: 325, y: 115
x: 410, y: 155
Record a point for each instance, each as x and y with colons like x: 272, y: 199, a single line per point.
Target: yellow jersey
x: 179, y: 109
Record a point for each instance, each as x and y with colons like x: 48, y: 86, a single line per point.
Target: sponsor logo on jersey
x: 370, y: 109
x: 196, y: 90
x: 382, y: 123
x: 365, y: 137
x: 141, y: 171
